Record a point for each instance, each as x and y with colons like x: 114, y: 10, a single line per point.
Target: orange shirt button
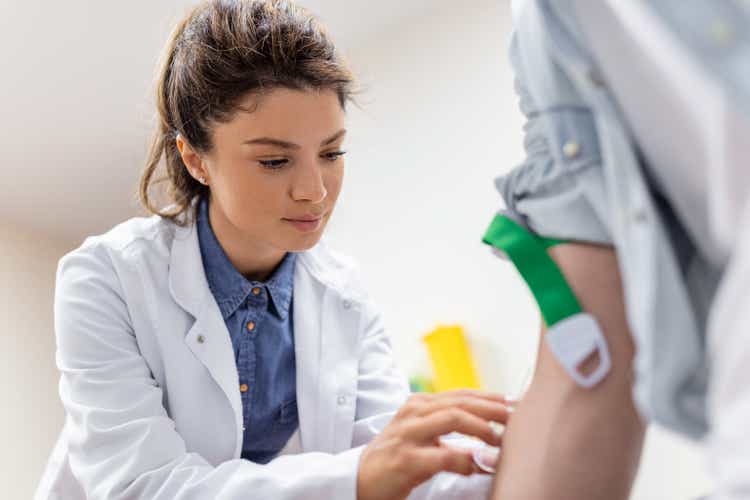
x: 244, y: 388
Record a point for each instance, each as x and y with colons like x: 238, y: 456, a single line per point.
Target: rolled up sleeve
x: 558, y: 191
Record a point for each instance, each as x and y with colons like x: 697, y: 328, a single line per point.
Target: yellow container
x: 451, y: 359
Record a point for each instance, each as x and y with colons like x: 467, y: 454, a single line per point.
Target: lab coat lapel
x: 308, y: 313
x: 325, y: 336
x: 208, y: 338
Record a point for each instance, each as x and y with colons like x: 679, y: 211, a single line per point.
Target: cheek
x: 255, y: 201
x: 333, y: 182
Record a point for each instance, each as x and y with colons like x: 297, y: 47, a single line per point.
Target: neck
x: 256, y: 261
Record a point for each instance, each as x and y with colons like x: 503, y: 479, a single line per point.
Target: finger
x: 473, y: 393
x: 414, y: 404
x: 464, y: 444
x: 487, y: 459
x: 430, y: 427
x: 482, y: 408
x: 512, y: 403
x: 498, y: 428
x: 430, y: 461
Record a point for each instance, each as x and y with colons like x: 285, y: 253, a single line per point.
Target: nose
x: 308, y: 184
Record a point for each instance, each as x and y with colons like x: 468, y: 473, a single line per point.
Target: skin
x: 564, y: 441
x: 277, y: 160
x: 257, y: 185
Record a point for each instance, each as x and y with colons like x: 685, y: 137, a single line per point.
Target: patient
x: 636, y: 141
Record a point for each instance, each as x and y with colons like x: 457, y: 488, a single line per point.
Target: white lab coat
x: 150, y: 386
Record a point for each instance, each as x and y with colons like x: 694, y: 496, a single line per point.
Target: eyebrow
x: 270, y: 141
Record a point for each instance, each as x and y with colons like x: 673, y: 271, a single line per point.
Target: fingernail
x: 497, y: 429
x: 487, y: 458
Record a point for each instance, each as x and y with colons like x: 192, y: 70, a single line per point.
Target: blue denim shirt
x: 259, y: 320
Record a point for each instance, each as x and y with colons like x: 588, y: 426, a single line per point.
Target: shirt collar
x: 228, y: 286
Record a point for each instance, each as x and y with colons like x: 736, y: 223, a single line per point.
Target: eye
x: 273, y: 164
x: 333, y: 155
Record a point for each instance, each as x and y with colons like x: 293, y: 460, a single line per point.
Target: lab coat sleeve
x: 729, y: 392
x: 382, y: 389
x: 122, y: 442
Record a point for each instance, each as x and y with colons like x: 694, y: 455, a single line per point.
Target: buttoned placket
x: 252, y: 312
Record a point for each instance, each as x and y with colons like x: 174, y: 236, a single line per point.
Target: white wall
x: 32, y: 414
x: 439, y: 122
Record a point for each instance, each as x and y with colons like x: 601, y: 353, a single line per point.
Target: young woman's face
x: 275, y: 170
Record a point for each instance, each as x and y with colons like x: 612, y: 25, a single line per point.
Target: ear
x: 192, y: 160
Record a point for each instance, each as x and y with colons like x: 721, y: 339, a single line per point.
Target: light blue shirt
x: 586, y: 178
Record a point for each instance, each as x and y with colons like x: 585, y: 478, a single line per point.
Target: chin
x: 302, y: 244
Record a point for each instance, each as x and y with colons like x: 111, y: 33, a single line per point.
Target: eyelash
x: 279, y: 164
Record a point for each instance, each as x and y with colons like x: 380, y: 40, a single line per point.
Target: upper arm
x: 566, y: 441
x: 113, y: 403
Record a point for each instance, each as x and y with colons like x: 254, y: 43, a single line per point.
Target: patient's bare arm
x: 564, y: 441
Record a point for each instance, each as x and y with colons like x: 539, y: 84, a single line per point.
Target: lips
x: 306, y: 218
x: 306, y: 223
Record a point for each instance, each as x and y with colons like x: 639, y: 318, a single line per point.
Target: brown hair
x: 222, y: 51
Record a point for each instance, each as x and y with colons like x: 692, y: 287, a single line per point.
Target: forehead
x: 293, y: 115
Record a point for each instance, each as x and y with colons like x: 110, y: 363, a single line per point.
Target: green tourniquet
x: 529, y: 254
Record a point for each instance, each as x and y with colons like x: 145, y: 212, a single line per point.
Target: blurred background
x: 437, y: 121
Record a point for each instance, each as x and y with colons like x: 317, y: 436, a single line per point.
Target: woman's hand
x: 409, y: 452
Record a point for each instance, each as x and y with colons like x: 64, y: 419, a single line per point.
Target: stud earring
x: 202, y: 180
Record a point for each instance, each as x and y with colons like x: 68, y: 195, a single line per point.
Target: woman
x: 217, y: 349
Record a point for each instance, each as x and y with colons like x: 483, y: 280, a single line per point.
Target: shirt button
x: 347, y: 304
x: 244, y: 388
x: 256, y: 291
x: 251, y: 326
x: 571, y: 149
x: 341, y: 400
x: 201, y: 339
